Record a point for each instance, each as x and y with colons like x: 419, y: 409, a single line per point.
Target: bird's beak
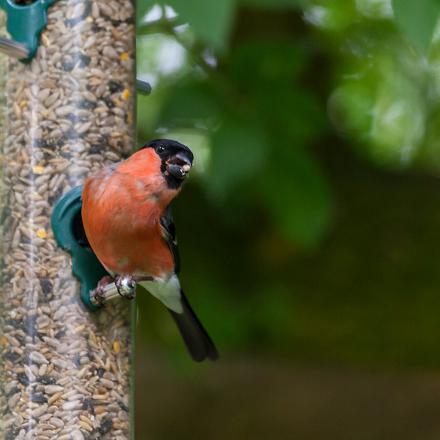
x: 179, y: 165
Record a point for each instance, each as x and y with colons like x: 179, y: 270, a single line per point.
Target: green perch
x: 66, y: 218
x: 25, y: 24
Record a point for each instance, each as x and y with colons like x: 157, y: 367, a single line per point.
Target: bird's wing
x: 196, y: 338
x: 168, y: 231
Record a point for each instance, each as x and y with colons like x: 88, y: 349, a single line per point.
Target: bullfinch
x: 128, y: 223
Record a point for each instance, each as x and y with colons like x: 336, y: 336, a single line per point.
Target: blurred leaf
x: 375, y: 8
x: 297, y: 114
x: 399, y: 121
x: 238, y: 152
x: 350, y: 108
x: 210, y: 20
x: 189, y: 105
x: 385, y: 107
x: 142, y: 7
x: 335, y: 15
x: 417, y: 19
x: 160, y: 56
x: 257, y: 62
x: 298, y: 197
x: 274, y: 4
x: 269, y: 74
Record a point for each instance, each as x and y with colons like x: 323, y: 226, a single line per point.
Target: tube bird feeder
x: 66, y: 370
x: 3, y: 65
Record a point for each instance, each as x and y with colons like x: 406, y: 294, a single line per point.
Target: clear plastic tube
x: 65, y: 370
x: 3, y: 67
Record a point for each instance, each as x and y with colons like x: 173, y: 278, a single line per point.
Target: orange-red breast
x: 128, y: 223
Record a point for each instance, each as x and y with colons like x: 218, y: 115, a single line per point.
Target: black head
x: 176, y: 160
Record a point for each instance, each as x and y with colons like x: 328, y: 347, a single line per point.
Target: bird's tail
x: 197, y: 340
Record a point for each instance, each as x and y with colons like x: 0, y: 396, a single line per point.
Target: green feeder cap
x: 66, y: 220
x: 24, y: 23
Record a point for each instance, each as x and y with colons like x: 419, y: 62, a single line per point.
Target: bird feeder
x: 66, y: 370
x: 3, y: 64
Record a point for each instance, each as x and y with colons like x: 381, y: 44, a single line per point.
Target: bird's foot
x: 98, y: 295
x: 109, y: 288
x: 126, y: 286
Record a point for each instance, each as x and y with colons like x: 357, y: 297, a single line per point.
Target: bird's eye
x: 160, y: 149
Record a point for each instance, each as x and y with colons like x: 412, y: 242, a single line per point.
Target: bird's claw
x: 109, y: 288
x: 126, y: 286
x: 97, y: 296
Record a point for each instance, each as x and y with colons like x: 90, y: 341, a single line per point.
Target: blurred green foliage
x: 417, y: 19
x: 258, y: 89
x: 387, y: 90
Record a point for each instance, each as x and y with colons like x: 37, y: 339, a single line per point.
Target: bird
x: 128, y: 223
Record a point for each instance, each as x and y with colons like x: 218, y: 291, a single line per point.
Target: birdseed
x: 69, y: 114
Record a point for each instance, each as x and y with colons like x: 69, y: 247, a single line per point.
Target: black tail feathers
x: 197, y: 340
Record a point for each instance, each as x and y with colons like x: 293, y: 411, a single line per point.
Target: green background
x: 309, y: 228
